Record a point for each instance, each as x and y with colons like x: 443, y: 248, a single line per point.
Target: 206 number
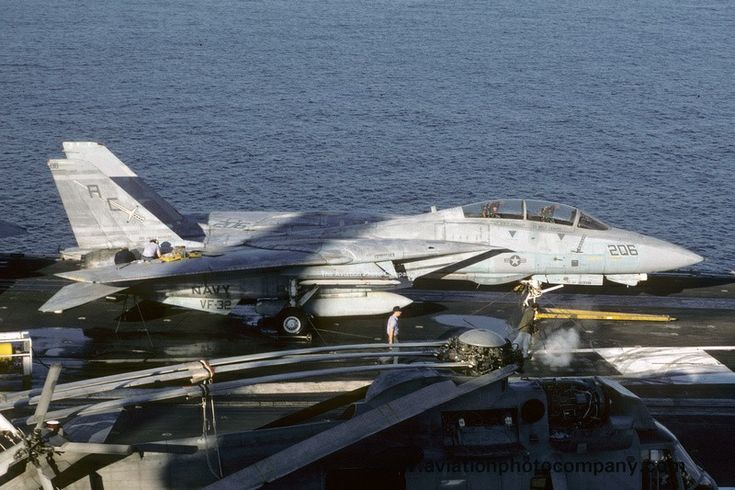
x: 622, y: 250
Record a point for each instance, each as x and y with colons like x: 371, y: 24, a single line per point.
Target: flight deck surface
x: 683, y: 370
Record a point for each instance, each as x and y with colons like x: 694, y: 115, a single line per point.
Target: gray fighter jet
x: 290, y: 264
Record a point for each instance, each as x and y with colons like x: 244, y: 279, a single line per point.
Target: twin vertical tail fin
x: 109, y: 206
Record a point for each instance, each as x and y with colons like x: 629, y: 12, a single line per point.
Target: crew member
x: 526, y: 328
x: 392, y: 328
x: 490, y: 210
x: 151, y: 251
x: 124, y: 256
x: 547, y: 213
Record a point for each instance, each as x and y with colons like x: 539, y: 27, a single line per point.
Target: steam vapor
x: 558, y: 348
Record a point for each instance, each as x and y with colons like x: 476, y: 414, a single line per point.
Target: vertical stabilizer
x: 109, y: 206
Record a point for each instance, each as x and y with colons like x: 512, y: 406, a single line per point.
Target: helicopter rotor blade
x: 46, y: 394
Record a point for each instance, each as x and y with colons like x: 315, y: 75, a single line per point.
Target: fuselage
x: 573, y: 244
x: 561, y: 246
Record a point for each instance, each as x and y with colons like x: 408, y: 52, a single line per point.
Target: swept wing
x: 257, y: 257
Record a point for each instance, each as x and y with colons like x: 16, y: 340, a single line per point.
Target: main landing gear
x: 293, y: 321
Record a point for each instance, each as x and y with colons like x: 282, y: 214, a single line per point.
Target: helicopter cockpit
x: 533, y: 210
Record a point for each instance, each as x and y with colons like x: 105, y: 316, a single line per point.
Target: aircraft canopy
x: 533, y: 210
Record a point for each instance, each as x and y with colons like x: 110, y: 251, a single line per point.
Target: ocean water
x: 624, y: 109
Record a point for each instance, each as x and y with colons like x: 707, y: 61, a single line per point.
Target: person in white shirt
x: 151, y: 251
x: 392, y: 328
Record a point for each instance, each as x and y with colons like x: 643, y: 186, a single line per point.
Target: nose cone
x: 679, y: 257
x: 665, y: 256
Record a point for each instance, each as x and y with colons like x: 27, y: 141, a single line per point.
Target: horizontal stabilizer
x: 78, y: 294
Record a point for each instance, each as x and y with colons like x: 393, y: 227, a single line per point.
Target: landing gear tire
x: 293, y: 321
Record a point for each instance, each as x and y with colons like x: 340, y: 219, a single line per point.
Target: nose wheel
x: 532, y: 288
x: 293, y: 321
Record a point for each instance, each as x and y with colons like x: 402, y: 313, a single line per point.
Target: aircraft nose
x: 665, y: 256
x: 686, y: 257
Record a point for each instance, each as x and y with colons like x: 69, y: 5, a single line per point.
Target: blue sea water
x: 625, y: 109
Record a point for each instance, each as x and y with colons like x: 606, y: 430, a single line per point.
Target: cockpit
x: 533, y: 210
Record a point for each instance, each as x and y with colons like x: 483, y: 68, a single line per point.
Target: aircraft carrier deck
x: 682, y: 369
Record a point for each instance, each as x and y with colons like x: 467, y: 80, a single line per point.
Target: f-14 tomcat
x: 288, y: 264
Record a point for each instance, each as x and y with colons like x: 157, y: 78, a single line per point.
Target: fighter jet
x: 286, y: 265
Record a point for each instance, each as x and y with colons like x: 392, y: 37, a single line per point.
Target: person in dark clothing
x: 124, y: 256
x: 526, y: 329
